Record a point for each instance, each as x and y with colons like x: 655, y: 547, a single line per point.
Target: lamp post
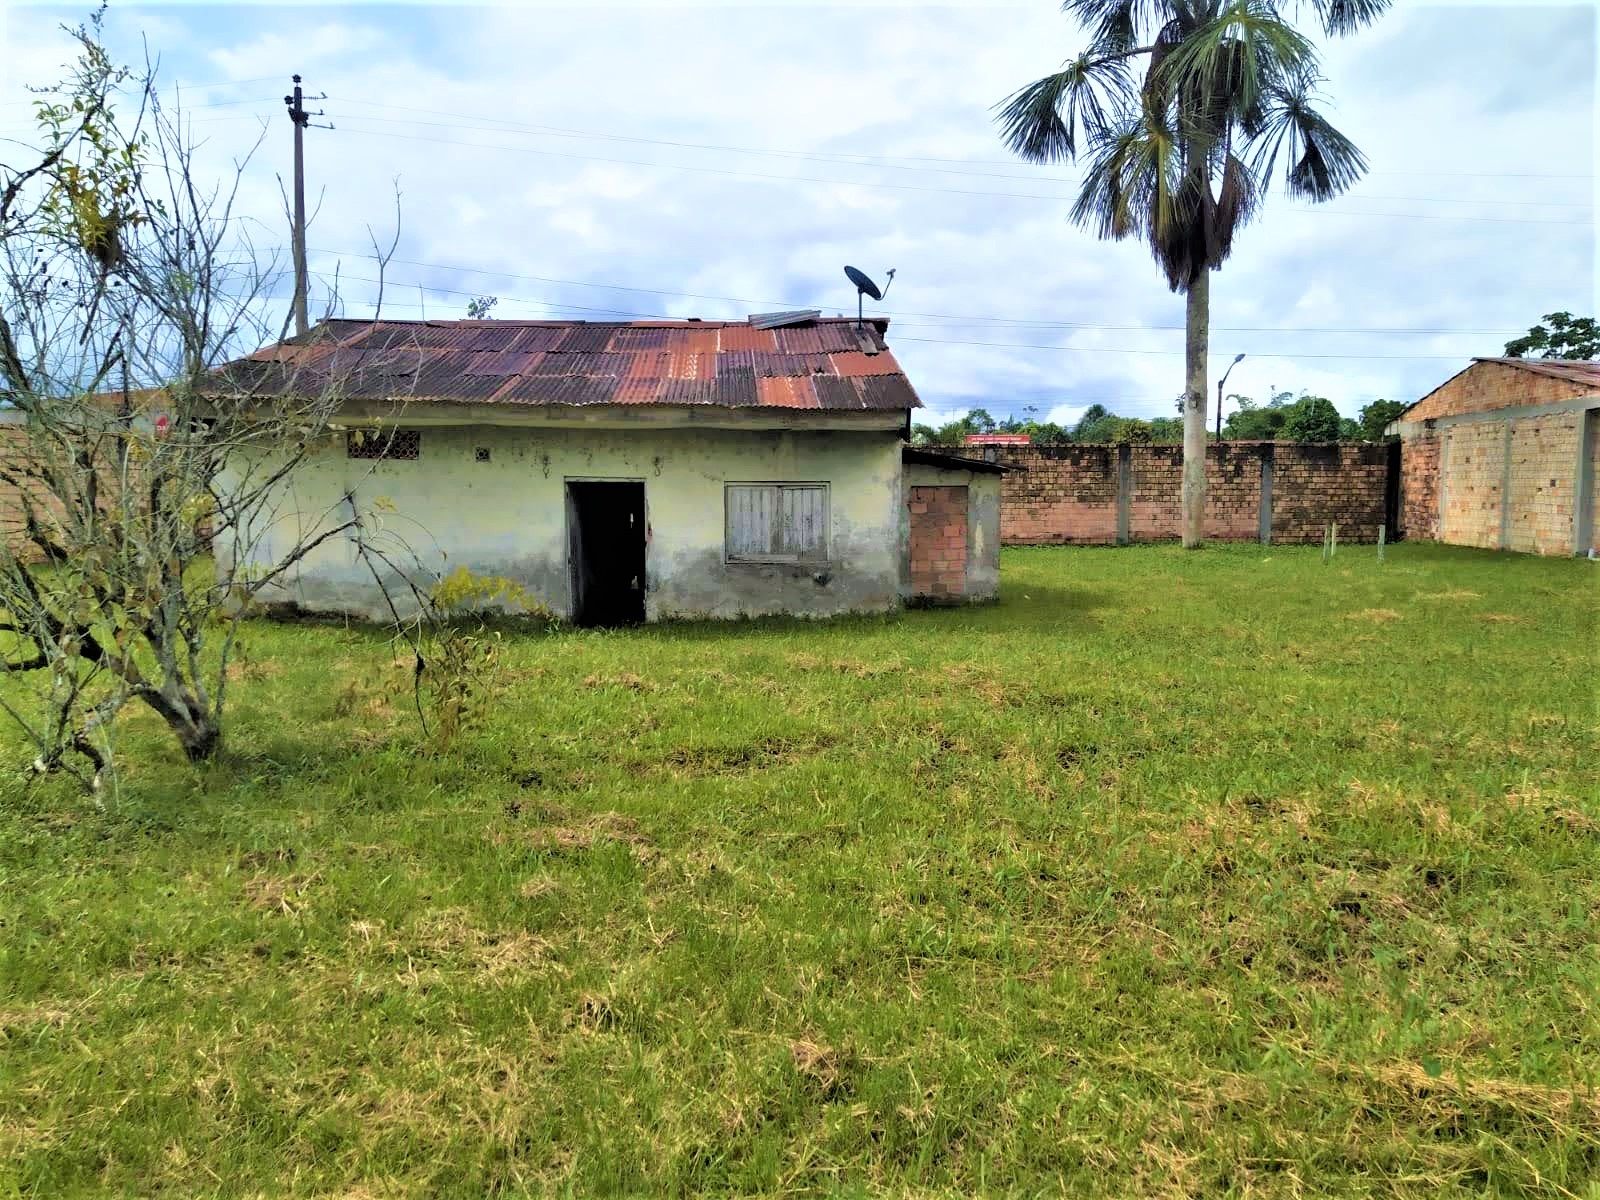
x: 1238, y: 358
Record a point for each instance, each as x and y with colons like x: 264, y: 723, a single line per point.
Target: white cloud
x: 412, y: 89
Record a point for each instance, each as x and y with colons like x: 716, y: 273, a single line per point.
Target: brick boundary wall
x: 1283, y: 492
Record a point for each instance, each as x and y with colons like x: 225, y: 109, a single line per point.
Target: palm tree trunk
x: 1197, y: 342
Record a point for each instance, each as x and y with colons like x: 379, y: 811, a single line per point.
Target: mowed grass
x: 1172, y: 874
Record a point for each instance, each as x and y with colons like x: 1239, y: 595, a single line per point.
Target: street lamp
x: 1238, y: 358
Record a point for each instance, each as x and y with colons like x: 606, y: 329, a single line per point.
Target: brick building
x: 1503, y: 455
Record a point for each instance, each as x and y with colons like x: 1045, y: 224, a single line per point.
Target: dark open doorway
x: 605, y: 552
x: 1392, y: 516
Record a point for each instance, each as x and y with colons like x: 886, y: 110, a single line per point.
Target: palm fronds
x: 1042, y: 122
x: 1184, y: 157
x: 1322, y: 162
x: 1344, y: 17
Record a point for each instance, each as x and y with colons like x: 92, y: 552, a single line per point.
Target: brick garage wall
x: 1543, y: 490
x: 1419, y: 486
x: 938, y: 542
x: 1593, y: 419
x: 1489, y: 385
x: 1479, y: 469
x: 1473, y: 470
x: 1069, y: 494
x: 1317, y: 485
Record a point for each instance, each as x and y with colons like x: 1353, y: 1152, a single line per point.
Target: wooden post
x: 1380, y: 543
x: 1324, y: 543
x: 1333, y: 540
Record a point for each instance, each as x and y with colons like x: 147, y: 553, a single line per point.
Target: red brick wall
x: 1419, y: 486
x: 1314, y: 485
x: 939, y: 542
x: 1068, y: 494
x: 1488, y: 385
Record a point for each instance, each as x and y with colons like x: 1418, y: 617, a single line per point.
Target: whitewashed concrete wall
x: 983, y: 526
x: 508, y: 516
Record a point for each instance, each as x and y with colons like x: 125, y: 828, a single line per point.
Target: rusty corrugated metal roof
x: 1580, y: 370
x: 825, y: 363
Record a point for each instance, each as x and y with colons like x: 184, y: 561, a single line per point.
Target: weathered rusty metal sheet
x: 819, y: 364
x: 589, y: 339
x: 887, y: 391
x: 787, y: 391
x: 597, y: 365
x: 799, y: 339
x: 850, y: 363
x: 834, y: 392
x: 841, y: 335
x: 691, y: 364
x: 791, y: 364
x: 736, y: 389
x: 743, y: 337
x: 633, y: 338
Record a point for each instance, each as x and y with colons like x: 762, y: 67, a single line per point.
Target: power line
x: 551, y: 131
x: 410, y: 283
x: 1179, y: 353
x: 843, y: 155
x: 966, y: 318
x: 908, y: 187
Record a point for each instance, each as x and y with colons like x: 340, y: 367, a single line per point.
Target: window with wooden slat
x: 777, y: 522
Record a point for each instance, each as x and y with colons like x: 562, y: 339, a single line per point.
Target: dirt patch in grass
x: 1500, y: 618
x: 768, y: 752
x: 1373, y: 616
x: 820, y: 1065
x: 593, y: 831
x: 625, y: 680
x: 285, y: 895
x: 451, y: 937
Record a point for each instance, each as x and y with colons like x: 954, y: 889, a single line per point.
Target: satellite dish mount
x: 865, y: 287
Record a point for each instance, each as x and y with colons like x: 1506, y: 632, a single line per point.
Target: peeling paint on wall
x: 508, y: 517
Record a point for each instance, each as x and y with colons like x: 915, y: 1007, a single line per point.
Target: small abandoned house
x: 1503, y: 455
x: 634, y: 472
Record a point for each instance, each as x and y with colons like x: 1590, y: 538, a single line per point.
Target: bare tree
x: 136, y: 440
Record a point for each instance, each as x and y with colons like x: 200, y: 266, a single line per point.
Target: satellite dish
x: 865, y: 287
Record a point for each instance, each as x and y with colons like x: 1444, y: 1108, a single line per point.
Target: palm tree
x: 1183, y: 156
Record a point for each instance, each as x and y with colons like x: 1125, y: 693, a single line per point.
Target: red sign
x: 997, y: 439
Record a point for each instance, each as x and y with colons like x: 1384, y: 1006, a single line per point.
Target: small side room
x: 950, y: 528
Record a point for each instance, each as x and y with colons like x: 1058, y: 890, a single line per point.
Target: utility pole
x: 301, y: 120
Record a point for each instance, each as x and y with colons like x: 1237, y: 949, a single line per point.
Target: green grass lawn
x: 1171, y: 874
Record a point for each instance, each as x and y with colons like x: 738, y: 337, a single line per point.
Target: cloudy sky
x: 712, y: 160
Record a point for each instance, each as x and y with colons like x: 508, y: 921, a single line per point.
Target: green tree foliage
x: 980, y: 420
x: 1560, y: 336
x: 1097, y: 426
x: 1252, y: 422
x: 1312, y: 419
x: 1377, y: 416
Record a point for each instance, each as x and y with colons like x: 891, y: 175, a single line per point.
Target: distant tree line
x: 1285, y: 417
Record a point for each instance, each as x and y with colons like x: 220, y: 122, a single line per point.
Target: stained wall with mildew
x: 982, y: 527
x: 508, y: 516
